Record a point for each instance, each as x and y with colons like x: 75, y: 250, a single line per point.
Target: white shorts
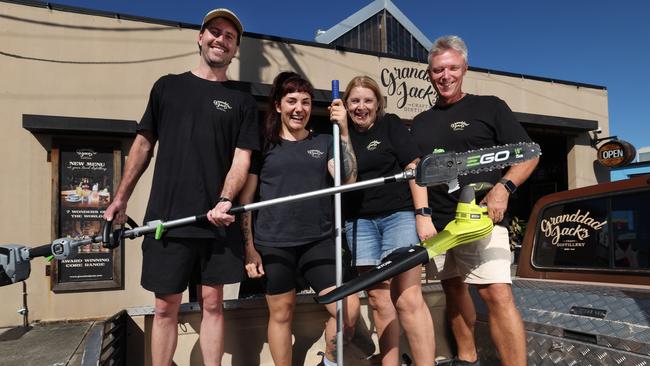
x: 484, y: 261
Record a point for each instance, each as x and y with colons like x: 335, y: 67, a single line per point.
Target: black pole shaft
x: 25, y: 309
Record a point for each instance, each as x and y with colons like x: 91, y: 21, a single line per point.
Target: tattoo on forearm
x: 349, y: 160
x: 332, y: 341
x: 246, y: 226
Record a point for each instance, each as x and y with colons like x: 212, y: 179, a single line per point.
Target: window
x: 606, y: 233
x: 630, y: 226
x: 368, y: 36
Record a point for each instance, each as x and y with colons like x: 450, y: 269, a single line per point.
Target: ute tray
x: 576, y: 324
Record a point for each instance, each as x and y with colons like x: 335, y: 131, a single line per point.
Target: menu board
x: 86, y: 184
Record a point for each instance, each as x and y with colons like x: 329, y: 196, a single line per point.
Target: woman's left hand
x: 339, y: 115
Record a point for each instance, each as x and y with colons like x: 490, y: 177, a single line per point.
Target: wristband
x: 424, y: 211
x: 224, y: 199
x: 510, y: 186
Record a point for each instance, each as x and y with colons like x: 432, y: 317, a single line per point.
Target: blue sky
x: 594, y: 42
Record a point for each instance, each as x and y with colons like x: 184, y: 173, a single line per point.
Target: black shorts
x: 169, y: 264
x: 315, y: 262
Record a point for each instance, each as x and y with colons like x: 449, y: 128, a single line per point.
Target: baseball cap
x: 224, y: 13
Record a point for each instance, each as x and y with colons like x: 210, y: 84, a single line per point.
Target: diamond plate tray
x: 576, y: 324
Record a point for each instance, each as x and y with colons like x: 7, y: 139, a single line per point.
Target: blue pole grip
x: 335, y: 89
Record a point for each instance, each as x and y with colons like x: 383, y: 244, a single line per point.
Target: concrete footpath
x: 48, y: 344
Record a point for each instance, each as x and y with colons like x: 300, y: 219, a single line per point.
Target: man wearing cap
x: 206, y: 130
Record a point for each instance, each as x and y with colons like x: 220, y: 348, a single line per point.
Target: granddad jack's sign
x: 408, y: 90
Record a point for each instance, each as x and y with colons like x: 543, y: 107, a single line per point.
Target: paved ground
x: 44, y: 344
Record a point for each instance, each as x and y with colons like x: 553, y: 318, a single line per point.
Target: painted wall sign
x: 616, y: 153
x: 408, y: 90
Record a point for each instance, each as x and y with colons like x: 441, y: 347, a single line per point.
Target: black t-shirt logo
x: 373, y: 145
x: 459, y: 126
x: 221, y: 105
x: 315, y: 153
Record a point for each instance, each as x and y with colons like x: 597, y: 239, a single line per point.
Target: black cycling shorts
x: 169, y: 264
x: 315, y: 262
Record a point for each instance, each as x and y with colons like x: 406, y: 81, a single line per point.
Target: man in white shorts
x: 461, y: 122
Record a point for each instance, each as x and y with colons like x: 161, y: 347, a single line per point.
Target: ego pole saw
x: 433, y: 169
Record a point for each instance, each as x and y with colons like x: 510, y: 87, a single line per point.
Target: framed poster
x: 85, y: 176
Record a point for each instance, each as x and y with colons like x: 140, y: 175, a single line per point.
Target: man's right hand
x: 116, y: 212
x: 219, y: 216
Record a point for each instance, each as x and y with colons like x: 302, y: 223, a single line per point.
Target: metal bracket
x: 61, y: 248
x: 595, y: 140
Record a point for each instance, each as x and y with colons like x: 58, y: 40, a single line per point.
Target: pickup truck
x: 582, y: 283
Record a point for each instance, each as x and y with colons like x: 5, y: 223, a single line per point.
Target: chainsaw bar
x: 498, y: 157
x: 444, y: 167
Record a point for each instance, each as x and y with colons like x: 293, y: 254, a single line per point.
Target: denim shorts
x: 372, y: 239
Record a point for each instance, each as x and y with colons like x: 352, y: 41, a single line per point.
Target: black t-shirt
x: 471, y: 123
x: 384, y: 150
x: 198, y: 124
x: 288, y: 168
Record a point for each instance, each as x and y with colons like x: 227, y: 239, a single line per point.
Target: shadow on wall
x: 601, y: 172
x: 254, y: 56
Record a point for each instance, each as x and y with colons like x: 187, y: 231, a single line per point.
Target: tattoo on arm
x: 246, y: 228
x: 349, y: 161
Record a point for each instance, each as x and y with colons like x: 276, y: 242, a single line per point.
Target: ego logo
x: 488, y: 158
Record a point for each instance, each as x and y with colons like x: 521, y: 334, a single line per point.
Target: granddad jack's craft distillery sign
x: 408, y: 90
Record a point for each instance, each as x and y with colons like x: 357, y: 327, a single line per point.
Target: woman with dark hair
x: 383, y: 219
x: 295, y: 237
